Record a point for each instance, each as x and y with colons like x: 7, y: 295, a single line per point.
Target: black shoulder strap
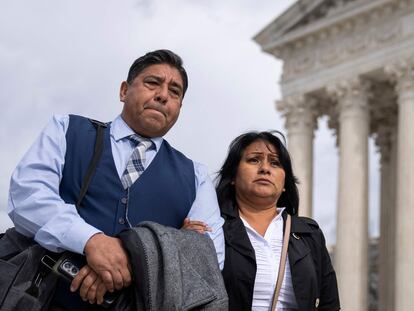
x: 97, y: 152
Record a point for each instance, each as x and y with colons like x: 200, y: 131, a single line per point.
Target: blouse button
x: 317, y: 303
x: 121, y: 220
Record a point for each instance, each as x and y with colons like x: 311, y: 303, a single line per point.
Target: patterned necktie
x: 135, y: 165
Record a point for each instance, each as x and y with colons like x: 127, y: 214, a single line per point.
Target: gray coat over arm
x: 173, y: 269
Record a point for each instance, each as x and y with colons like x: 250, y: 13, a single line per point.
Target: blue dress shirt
x: 36, y: 208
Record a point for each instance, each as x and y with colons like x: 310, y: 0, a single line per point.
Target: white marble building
x: 353, y: 60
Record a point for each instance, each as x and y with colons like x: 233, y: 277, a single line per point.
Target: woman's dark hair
x: 158, y: 57
x: 225, y: 190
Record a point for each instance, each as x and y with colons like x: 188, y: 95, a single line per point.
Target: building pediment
x: 306, y: 17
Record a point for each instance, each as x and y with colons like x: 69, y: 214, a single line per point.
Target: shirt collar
x: 231, y: 210
x: 279, y: 214
x: 277, y: 218
x: 121, y: 130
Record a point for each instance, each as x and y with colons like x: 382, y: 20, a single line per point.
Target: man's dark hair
x: 225, y: 189
x: 158, y: 57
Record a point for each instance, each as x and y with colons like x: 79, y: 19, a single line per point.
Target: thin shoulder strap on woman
x: 282, y: 263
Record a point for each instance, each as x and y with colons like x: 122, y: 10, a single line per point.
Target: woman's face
x: 260, y: 178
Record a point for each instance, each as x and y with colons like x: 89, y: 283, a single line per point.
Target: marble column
x: 403, y: 74
x: 300, y: 125
x: 351, y: 259
x: 386, y: 140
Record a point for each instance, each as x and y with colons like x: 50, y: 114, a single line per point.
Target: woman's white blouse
x: 268, y: 250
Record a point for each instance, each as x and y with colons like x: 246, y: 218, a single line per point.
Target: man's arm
x: 35, y: 205
x: 37, y: 209
x: 205, y: 208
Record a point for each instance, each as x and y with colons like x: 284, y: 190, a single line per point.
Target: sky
x: 59, y: 57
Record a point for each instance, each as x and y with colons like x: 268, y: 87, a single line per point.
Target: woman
x: 256, y: 190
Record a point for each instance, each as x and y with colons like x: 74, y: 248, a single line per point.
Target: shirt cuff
x: 66, y: 236
x: 78, y: 235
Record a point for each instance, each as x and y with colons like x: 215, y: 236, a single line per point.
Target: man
x: 45, y: 185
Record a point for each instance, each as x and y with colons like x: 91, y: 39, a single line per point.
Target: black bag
x: 25, y: 283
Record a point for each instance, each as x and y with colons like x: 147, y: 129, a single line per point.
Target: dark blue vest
x: 163, y: 193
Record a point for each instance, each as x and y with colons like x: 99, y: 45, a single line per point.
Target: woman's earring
x: 284, y: 190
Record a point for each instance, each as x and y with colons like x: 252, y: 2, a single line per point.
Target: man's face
x: 153, y: 100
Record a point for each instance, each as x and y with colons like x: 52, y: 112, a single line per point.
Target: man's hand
x: 196, y: 225
x: 92, y: 288
x: 106, y: 256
